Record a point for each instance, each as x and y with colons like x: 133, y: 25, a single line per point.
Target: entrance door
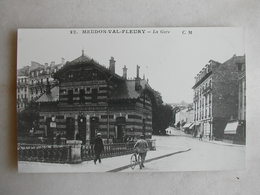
x: 70, y: 127
x: 120, y: 124
x: 49, y: 132
x: 94, y: 121
x: 82, y: 128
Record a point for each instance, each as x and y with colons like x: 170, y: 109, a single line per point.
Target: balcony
x: 195, y: 98
x: 207, y: 90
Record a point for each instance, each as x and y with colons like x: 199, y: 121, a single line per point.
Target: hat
x: 98, y: 134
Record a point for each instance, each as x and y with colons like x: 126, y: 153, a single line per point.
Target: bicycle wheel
x: 133, y: 161
x: 139, y: 161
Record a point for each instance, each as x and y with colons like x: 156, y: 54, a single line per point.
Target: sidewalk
x: 107, y: 164
x: 181, y: 133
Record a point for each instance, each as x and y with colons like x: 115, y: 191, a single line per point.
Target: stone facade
x: 216, y: 97
x: 91, y: 98
x: 22, y: 92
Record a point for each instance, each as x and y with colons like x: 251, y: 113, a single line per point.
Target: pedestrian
x: 98, y: 148
x: 201, y: 135
x: 141, y: 147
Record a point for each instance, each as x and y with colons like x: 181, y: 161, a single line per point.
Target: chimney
x: 112, y: 64
x: 137, y: 79
x: 137, y: 71
x: 125, y: 72
x: 82, y: 52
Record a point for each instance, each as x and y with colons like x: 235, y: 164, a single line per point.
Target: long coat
x: 141, y: 146
x: 98, y: 145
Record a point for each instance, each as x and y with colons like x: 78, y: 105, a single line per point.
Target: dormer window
x: 94, y: 75
x: 70, y: 76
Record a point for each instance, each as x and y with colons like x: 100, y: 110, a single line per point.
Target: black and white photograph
x: 131, y: 99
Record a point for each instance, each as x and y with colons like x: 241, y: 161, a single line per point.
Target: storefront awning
x: 231, y: 128
x: 192, y: 125
x: 187, y: 125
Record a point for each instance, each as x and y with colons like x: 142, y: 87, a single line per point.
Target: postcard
x: 131, y: 99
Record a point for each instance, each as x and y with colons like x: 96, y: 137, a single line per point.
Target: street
x: 186, y: 154
x: 202, y: 156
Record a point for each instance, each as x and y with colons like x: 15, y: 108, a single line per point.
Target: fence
x: 64, y: 153
x: 44, y: 153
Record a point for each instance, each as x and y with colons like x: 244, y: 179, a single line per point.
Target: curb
x: 149, y: 160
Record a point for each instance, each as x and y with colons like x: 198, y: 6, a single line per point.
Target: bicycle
x: 135, y: 159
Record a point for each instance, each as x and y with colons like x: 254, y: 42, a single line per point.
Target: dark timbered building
x: 91, y: 98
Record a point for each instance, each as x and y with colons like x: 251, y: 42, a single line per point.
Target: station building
x: 90, y: 98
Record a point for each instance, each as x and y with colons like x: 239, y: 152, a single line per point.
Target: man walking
x: 141, y: 147
x: 98, y: 148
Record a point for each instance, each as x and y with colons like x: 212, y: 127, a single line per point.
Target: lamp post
x: 108, y: 95
x: 210, y: 129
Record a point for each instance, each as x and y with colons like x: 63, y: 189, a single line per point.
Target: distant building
x: 22, y: 92
x: 184, y: 118
x: 216, y: 98
x: 91, y: 98
x: 32, y: 81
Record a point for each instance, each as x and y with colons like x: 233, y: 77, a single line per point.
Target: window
x: 70, y: 76
x: 94, y: 95
x: 70, y: 96
x: 81, y: 96
x: 134, y: 116
x: 105, y: 116
x: 239, y: 66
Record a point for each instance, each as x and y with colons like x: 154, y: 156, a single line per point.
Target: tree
x: 27, y: 119
x: 162, y: 115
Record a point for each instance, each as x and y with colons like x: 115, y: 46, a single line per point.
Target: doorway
x: 120, y: 128
x: 82, y: 128
x: 70, y: 128
x: 94, y: 123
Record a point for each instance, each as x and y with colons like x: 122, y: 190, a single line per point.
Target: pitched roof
x: 83, y: 59
x: 52, y: 97
x: 126, y: 90
x: 35, y: 66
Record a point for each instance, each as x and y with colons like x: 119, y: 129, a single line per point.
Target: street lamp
x: 210, y: 129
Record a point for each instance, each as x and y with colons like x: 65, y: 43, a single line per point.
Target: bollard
x: 75, y: 151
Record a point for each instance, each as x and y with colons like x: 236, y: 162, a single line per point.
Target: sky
x: 169, y: 57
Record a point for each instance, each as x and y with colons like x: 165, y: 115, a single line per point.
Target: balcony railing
x: 195, y: 98
x: 207, y: 90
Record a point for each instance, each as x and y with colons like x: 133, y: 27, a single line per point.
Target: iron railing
x: 44, y: 153
x: 62, y: 153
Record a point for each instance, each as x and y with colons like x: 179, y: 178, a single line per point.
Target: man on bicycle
x: 141, y: 147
